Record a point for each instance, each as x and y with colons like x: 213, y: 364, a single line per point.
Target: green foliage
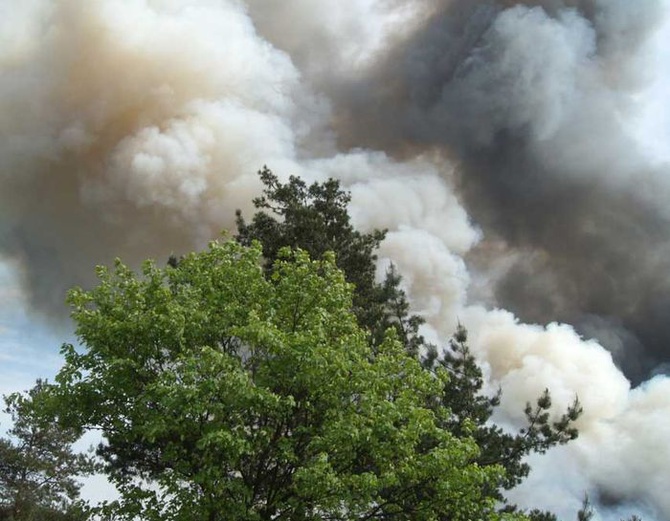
x: 471, y: 412
x: 315, y: 218
x: 540, y: 515
x: 38, y: 469
x: 222, y: 394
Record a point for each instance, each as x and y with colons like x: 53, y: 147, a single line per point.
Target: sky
x: 517, y: 152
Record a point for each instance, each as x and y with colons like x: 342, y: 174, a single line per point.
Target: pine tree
x: 38, y: 467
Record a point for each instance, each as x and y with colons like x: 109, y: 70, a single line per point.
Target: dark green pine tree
x: 38, y: 468
x: 468, y: 405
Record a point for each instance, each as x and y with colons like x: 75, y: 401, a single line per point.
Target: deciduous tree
x: 224, y: 395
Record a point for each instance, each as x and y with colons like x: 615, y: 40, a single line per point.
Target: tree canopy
x: 38, y: 467
x: 316, y: 219
x: 274, y: 377
x: 224, y: 394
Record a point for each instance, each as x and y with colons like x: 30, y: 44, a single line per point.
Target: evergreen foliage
x: 469, y: 407
x: 38, y: 468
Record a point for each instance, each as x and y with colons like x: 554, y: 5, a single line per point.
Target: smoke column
x: 494, y: 139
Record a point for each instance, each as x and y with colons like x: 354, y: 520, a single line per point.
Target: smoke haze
x: 496, y: 140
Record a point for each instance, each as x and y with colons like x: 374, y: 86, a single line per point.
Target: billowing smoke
x: 134, y: 127
x: 494, y: 139
x: 535, y: 101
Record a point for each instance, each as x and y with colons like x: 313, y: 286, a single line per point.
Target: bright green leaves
x: 224, y: 395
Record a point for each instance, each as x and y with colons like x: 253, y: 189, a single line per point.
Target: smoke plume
x: 534, y: 101
x: 496, y: 140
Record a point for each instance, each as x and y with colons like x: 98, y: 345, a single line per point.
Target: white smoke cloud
x: 135, y: 129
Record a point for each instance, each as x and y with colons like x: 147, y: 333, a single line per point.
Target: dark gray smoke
x: 532, y: 99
